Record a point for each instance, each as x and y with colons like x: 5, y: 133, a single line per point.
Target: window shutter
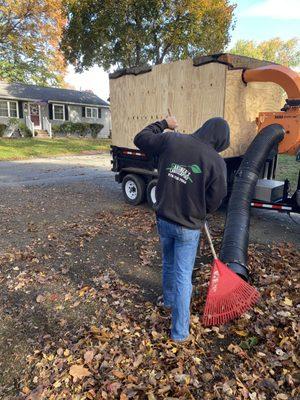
x: 20, y: 105
x: 83, y: 112
x: 50, y: 111
x: 99, y: 112
x: 66, y: 112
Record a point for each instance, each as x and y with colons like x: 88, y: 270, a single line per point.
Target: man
x: 191, y: 183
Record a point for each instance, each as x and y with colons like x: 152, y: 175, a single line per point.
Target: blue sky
x: 264, y: 19
x: 255, y: 20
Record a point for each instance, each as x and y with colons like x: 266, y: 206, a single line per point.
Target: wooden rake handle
x: 210, y: 240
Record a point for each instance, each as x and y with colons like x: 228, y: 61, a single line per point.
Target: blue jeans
x: 179, y: 248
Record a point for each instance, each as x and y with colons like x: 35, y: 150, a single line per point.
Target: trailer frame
x: 135, y: 163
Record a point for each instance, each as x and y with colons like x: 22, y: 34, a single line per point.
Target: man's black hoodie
x: 191, y: 173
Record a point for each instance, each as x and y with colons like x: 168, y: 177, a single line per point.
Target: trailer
x: 245, y: 91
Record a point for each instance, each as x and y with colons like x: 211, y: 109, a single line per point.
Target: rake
x: 229, y: 296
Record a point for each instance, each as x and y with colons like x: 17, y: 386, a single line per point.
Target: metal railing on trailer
x: 287, y: 204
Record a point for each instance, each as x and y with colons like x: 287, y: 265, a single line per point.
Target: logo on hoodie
x: 183, y: 173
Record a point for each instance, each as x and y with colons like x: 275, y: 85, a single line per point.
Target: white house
x: 42, y: 107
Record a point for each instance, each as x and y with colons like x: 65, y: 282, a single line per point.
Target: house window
x: 4, y: 109
x: 59, y: 112
x: 13, y: 109
x: 91, y: 112
x: 9, y: 109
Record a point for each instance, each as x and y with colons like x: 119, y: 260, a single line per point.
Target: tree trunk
x: 138, y: 54
x: 163, y: 54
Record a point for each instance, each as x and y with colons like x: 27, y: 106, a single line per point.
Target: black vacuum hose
x: 234, y: 248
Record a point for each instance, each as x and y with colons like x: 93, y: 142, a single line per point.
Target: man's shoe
x: 187, y: 340
x: 160, y: 303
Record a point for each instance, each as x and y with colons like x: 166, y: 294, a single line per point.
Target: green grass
x: 288, y: 168
x: 19, y: 149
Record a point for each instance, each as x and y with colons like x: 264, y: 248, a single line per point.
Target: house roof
x: 48, y: 94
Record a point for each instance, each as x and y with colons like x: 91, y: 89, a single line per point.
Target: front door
x: 34, y: 112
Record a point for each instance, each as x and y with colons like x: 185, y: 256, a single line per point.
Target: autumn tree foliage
x: 285, y: 52
x: 126, y: 33
x: 30, y: 31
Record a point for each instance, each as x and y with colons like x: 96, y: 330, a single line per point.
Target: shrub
x: 26, y: 132
x: 58, y: 130
x: 2, y: 129
x: 55, y: 129
x: 76, y: 128
x: 95, y: 129
x: 16, y: 124
x: 71, y: 128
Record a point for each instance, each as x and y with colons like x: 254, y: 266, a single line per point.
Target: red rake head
x: 229, y: 296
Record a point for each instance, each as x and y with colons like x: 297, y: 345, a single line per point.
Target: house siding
x: 105, y: 120
x: 75, y: 115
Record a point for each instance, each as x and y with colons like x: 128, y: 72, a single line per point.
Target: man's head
x: 215, y: 132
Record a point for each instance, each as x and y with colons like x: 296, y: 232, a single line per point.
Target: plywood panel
x: 194, y: 94
x: 242, y: 106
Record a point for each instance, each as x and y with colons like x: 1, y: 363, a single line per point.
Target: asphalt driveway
x: 56, y: 170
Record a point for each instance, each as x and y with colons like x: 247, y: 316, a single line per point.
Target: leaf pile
x: 125, y: 351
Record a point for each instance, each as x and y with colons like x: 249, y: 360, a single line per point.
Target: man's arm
x: 216, y: 191
x: 152, y: 139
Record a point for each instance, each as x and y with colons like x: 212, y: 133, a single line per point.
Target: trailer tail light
x: 271, y: 206
x: 133, y: 153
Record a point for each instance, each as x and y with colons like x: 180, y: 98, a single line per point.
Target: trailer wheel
x: 133, y: 188
x: 151, y: 194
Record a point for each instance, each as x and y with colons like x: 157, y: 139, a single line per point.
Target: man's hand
x: 172, y: 122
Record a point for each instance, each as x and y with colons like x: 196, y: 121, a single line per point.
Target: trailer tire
x: 133, y: 187
x: 151, y: 194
